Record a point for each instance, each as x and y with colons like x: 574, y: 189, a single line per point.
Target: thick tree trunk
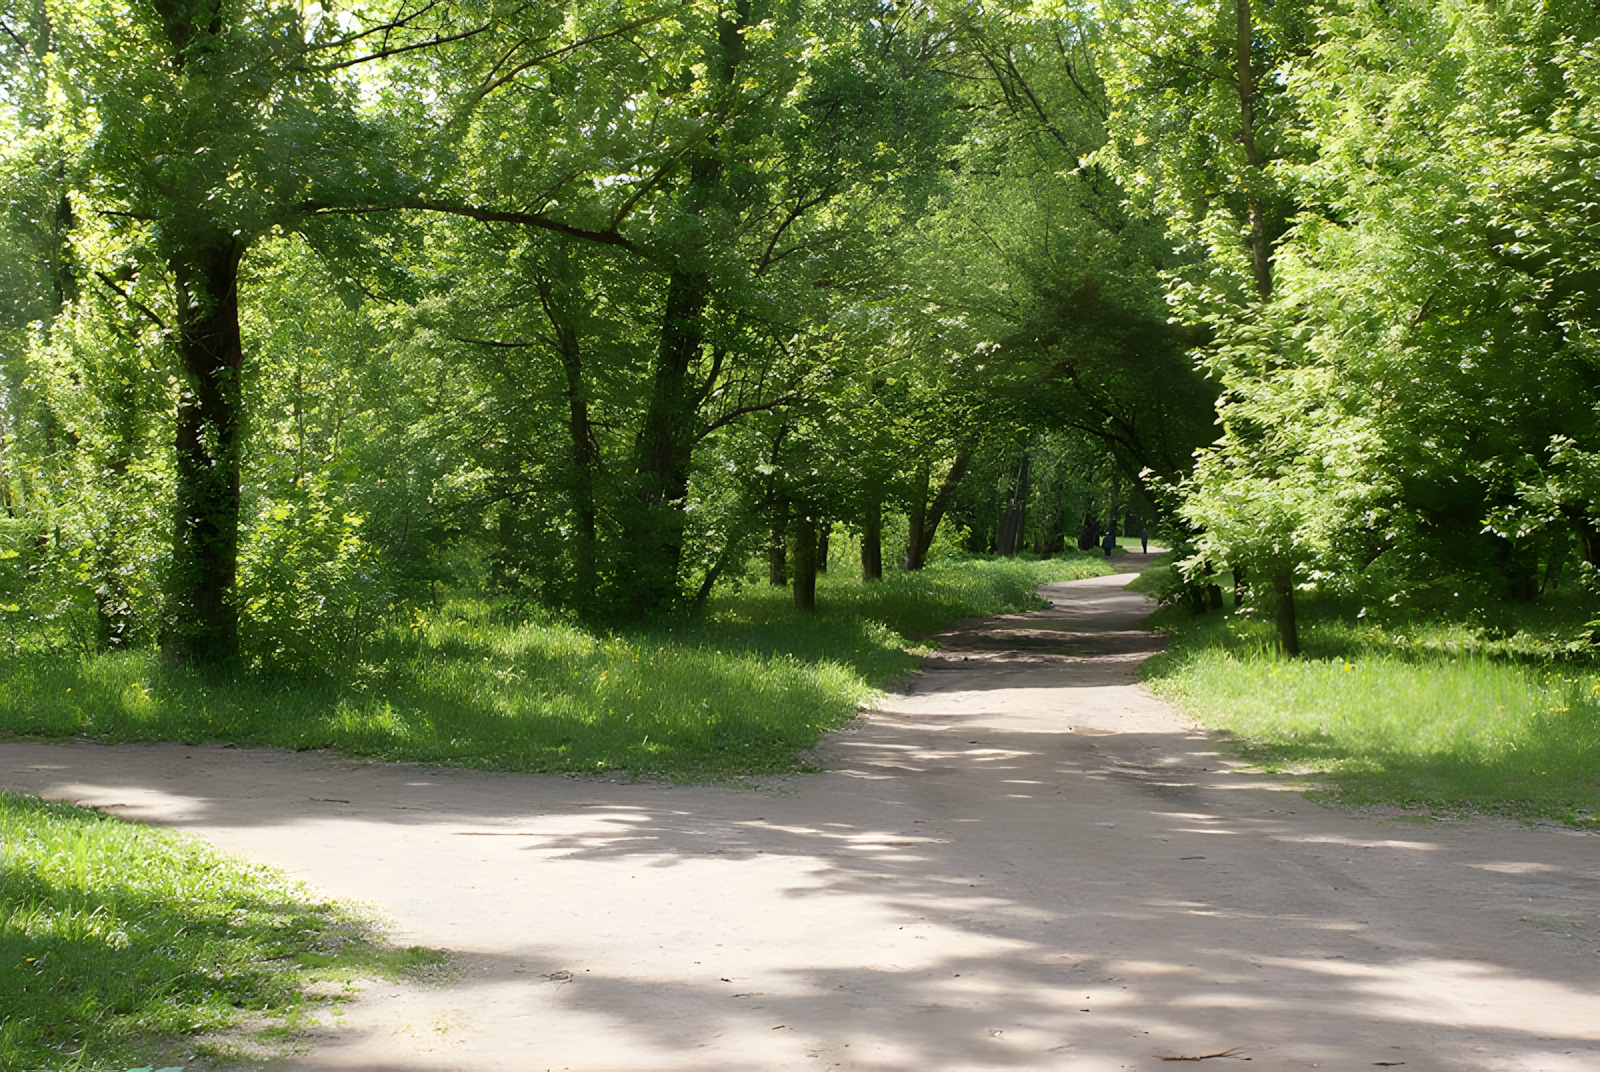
x: 1288, y: 631
x: 653, y: 528
x: 1115, y: 510
x: 1011, y: 521
x: 201, y: 622
x: 872, y: 542
x: 805, y: 560
x: 652, y: 533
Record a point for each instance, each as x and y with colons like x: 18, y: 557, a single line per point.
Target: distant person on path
x: 1144, y: 539
x: 1109, y: 542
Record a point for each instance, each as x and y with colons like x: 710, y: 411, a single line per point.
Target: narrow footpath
x: 1025, y: 861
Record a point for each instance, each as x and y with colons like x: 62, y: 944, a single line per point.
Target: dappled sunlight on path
x: 1022, y: 862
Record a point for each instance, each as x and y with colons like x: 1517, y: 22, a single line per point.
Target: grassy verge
x: 1440, y: 717
x: 123, y: 944
x: 742, y: 689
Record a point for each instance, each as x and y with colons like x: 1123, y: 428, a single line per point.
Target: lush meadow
x: 1493, y: 711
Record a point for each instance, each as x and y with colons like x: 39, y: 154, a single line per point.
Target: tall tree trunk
x: 1288, y: 631
x: 1012, y: 520
x: 201, y: 622
x: 778, y: 545
x: 1588, y: 535
x: 1260, y: 261
x: 805, y: 560
x: 920, y: 541
x: 653, y: 525
x: 1114, y: 511
x: 872, y: 542
x: 200, y: 618
x: 653, y: 528
x: 917, y: 516
x: 580, y: 435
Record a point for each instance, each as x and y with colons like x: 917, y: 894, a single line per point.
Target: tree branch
x: 621, y: 214
x: 490, y: 342
x: 489, y: 87
x: 487, y: 215
x: 131, y: 300
x: 394, y: 24
x: 800, y: 208
x: 734, y: 414
x: 385, y: 52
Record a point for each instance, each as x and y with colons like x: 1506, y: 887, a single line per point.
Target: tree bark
x: 778, y: 546
x: 917, y: 517
x: 1588, y: 535
x: 653, y: 527
x: 1012, y: 520
x: 201, y: 621
x: 805, y: 560
x: 653, y: 530
x: 872, y: 542
x: 1288, y: 630
x: 580, y: 437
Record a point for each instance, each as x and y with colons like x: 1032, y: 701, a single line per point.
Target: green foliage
x: 311, y: 588
x: 1411, y: 417
x: 119, y: 940
x: 1439, y: 715
x: 743, y: 689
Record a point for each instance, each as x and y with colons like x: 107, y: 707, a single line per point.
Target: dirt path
x: 1025, y: 862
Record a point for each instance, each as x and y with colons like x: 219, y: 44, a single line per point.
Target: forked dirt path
x: 1024, y: 862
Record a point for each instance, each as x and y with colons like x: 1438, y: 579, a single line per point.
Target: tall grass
x: 1438, y: 715
x: 119, y: 942
x: 742, y: 689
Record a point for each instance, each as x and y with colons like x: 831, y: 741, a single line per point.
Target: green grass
x: 123, y: 944
x: 1439, y: 716
x: 743, y: 689
x: 1158, y: 577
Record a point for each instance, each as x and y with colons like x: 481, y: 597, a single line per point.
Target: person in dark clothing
x: 1144, y: 539
x: 1109, y: 542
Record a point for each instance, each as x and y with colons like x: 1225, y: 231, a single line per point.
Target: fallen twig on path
x: 1234, y: 1052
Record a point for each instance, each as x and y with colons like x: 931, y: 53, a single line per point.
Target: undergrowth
x: 123, y: 944
x: 1487, y: 713
x: 742, y: 689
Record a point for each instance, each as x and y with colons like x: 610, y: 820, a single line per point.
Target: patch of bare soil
x: 1024, y: 861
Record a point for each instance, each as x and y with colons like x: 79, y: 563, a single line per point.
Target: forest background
x: 355, y: 357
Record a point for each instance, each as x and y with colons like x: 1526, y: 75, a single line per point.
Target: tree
x: 192, y: 132
x: 1413, y: 406
x: 738, y: 189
